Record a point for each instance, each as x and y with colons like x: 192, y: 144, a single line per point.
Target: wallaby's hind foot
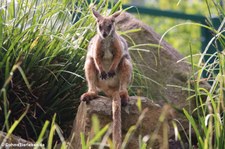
x: 88, y: 96
x: 124, y: 98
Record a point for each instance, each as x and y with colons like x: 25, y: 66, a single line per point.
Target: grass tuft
x: 42, y: 55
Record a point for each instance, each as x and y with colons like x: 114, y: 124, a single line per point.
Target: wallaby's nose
x: 104, y: 34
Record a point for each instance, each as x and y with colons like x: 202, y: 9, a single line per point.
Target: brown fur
x: 108, y: 68
x: 116, y: 110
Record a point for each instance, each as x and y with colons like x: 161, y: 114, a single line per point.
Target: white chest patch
x: 107, y: 54
x: 107, y: 49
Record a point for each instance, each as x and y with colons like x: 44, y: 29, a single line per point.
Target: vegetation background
x: 42, y: 51
x: 180, y: 37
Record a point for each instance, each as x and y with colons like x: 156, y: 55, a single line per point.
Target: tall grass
x: 206, y: 121
x: 42, y: 47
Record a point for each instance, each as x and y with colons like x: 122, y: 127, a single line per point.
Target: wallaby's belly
x: 110, y: 84
x: 106, y: 65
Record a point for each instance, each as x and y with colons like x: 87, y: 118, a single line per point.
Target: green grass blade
x: 50, y: 137
x: 1, y: 28
x: 24, y: 77
x: 98, y: 135
x: 40, y: 138
x: 83, y: 143
x: 194, y: 125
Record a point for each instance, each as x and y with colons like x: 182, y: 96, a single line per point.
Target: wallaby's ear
x: 96, y: 14
x: 116, y: 14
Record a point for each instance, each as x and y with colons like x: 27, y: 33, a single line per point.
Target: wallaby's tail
x: 116, y: 109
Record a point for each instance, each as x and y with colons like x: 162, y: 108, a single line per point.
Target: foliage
x: 41, y: 54
x: 207, y: 119
x: 180, y: 37
x: 42, y: 47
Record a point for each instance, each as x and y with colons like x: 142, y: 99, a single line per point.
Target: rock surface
x: 102, y: 107
x: 14, y: 142
x: 166, y: 76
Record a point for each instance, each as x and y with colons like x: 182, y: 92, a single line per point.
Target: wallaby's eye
x: 109, y: 26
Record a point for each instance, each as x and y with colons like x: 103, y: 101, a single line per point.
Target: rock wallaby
x: 108, y: 66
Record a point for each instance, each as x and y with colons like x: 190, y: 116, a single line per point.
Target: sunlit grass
x: 42, y: 53
x: 42, y: 48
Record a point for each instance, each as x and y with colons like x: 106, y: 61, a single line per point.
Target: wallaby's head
x: 105, y: 25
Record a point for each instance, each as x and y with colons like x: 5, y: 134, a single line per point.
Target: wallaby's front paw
x: 103, y: 75
x: 88, y: 96
x: 111, y: 73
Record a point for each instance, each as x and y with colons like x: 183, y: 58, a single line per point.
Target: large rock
x: 102, y: 107
x: 165, y: 77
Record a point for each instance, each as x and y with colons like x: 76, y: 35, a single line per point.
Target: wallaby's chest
x: 107, y: 50
x: 108, y: 55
